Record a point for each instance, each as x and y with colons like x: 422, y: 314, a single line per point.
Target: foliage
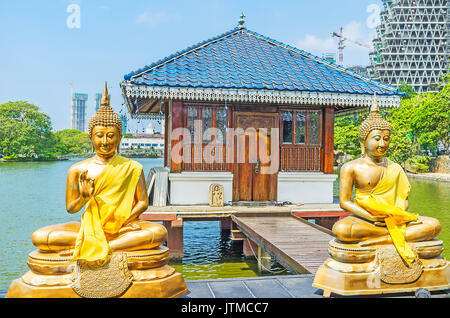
x: 72, y: 141
x: 346, y: 132
x: 25, y: 132
x: 419, y: 163
x: 408, y: 89
x: 418, y: 125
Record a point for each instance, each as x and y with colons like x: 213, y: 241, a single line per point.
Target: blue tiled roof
x: 244, y: 59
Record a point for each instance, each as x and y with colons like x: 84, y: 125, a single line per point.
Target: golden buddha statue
x: 114, y: 192
x: 380, y: 238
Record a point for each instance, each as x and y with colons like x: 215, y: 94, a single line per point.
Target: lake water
x: 32, y: 195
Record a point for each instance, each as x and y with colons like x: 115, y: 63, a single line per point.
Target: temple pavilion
x: 250, y: 113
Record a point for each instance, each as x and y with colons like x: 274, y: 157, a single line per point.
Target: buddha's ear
x: 363, y: 148
x: 118, y: 144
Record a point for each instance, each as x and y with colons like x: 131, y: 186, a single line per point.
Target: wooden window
x: 192, y: 116
x: 221, y: 125
x: 207, y: 151
x: 287, y: 127
x: 300, y: 127
x: 207, y: 124
x: 301, y: 140
x: 314, y: 128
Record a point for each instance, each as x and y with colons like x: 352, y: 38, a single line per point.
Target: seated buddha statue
x: 113, y: 190
x: 381, y: 247
x: 381, y: 196
x: 110, y: 253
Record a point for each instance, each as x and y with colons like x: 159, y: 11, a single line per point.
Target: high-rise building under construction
x: 412, y: 43
x: 78, y: 111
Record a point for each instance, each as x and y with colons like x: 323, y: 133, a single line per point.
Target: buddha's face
x: 105, y: 140
x: 377, y: 143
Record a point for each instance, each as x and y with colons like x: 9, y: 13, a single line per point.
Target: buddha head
x: 105, y: 128
x: 374, y: 133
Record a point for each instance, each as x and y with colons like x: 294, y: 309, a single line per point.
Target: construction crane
x: 341, y: 44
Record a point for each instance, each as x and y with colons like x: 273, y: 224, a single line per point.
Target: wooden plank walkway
x: 295, y: 243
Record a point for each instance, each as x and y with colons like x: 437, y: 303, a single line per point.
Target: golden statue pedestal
x: 378, y: 269
x: 136, y: 274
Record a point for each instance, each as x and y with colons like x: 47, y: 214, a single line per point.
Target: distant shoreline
x: 444, y: 177
x: 34, y: 160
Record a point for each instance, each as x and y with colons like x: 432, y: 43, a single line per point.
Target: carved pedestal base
x: 137, y: 274
x: 352, y: 270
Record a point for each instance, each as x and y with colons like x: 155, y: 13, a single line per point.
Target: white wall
x: 302, y: 187
x: 193, y: 187
x: 296, y: 187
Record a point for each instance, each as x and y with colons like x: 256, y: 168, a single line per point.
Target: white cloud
x: 152, y: 18
x: 353, y: 53
x: 354, y: 31
x: 313, y: 44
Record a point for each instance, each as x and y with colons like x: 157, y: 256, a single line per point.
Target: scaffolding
x: 412, y: 43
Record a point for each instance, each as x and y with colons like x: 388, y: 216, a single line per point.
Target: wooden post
x: 249, y: 248
x: 177, y: 122
x: 175, y: 237
x: 225, y: 223
x: 328, y: 140
x: 264, y: 260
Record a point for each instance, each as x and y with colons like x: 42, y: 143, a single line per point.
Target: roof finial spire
x: 105, y: 97
x: 241, y: 21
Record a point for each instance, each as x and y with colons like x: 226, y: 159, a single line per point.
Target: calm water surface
x: 32, y: 195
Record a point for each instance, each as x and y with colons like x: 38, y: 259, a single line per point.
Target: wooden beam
x: 328, y: 140
x: 177, y: 122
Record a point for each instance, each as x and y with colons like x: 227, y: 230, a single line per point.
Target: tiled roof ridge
x: 320, y: 60
x: 180, y: 53
x: 199, y: 45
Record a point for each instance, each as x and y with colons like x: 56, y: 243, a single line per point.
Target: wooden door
x: 252, y: 151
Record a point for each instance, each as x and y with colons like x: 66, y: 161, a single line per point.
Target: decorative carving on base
x: 102, y: 281
x: 142, y: 273
x: 392, y: 269
x: 354, y: 270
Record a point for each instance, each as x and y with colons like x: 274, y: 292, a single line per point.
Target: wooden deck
x: 296, y: 244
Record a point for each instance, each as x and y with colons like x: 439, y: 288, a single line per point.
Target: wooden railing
x: 205, y: 157
x: 212, y: 157
x: 300, y: 158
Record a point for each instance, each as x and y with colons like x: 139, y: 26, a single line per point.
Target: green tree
x: 346, y: 132
x: 24, y: 131
x: 431, y: 121
x: 72, y: 141
x: 408, y: 89
x: 402, y: 139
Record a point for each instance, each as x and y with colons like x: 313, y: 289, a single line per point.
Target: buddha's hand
x: 86, y: 185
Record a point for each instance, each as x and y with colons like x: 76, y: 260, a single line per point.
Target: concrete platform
x: 284, y: 286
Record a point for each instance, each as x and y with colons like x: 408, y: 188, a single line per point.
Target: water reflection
x: 210, y: 253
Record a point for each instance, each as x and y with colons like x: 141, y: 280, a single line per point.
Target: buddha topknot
x: 105, y: 115
x: 373, y: 121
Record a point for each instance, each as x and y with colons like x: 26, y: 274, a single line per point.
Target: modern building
x: 250, y: 113
x: 98, y: 100
x: 144, y: 142
x: 124, y: 120
x: 412, y: 43
x: 78, y: 112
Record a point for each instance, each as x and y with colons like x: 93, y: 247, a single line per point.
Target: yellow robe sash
x: 388, y: 199
x: 108, y: 209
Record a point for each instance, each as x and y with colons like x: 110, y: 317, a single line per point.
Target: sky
x: 46, y: 45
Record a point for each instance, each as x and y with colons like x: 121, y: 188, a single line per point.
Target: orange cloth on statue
x: 388, y: 199
x: 108, y: 209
